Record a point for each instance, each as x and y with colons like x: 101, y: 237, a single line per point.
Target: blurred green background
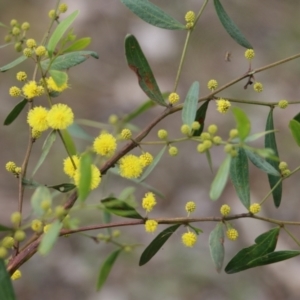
x: 107, y: 86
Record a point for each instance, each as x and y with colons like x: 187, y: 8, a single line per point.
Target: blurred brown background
x: 105, y: 86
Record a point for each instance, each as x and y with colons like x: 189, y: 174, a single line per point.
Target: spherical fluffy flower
x: 25, y: 26
x: 16, y: 217
x: 223, y: 105
x: 113, y: 119
x: 52, y: 14
x: 105, y: 144
x: 3, y: 252
x: 258, y: 87
x: 27, y: 52
x: 149, y: 201
x: 233, y: 133
x: 14, y: 91
x: 18, y: 46
x: 283, y: 104
x: 31, y: 89
x: 189, y: 25
x: 69, y: 168
x: 190, y: 16
x: 212, y: 129
x: 190, y: 206
x: 40, y: 51
x: 205, y: 136
x: 225, y: 210
x: 46, y: 228
x: 35, y: 133
x: 173, y: 98
x: 249, y: 54
x: 162, y: 134
x: 63, y: 8
x: 201, y: 148
x: 60, y: 116
x: 195, y: 125
x: 16, y: 31
x: 31, y: 43
x: 150, y: 225
x: 207, y: 144
x: 212, y: 84
x: 8, y: 242
x: 37, y: 225
x: 189, y: 239
x: 185, y: 129
x: 96, y: 177
x: 16, y: 275
x: 10, y: 166
x: 130, y: 166
x: 52, y: 86
x: 232, y: 234
x: 126, y: 134
x: 19, y: 235
x: 173, y: 151
x: 37, y: 118
x: 21, y: 76
x: 13, y: 22
x: 255, y: 208
x: 283, y: 165
x: 146, y: 159
x: 217, y: 140
x: 18, y: 170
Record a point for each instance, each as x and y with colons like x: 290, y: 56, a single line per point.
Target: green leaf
x: 15, y: 112
x: 59, y: 31
x: 49, y: 238
x: 3, y: 25
x: 120, y: 208
x: 5, y: 228
x: 106, y: 268
x: 261, y: 163
x: 13, y: 63
x: 45, y: 150
x: 243, y: 124
x: 200, y: 117
x: 68, y: 60
x: 29, y: 183
x: 138, y: 63
x: 5, y: 45
x: 60, y: 78
x: 78, y: 45
x: 239, y: 175
x: 265, y: 244
x: 297, y: 117
x: 141, y: 109
x: 230, y: 27
x: 85, y: 178
x: 63, y: 187
x: 41, y: 193
x: 190, y: 104
x: 270, y: 142
x: 6, y: 288
x: 154, y: 163
x: 78, y: 132
x: 295, y: 129
x: 152, y: 14
x: 197, y: 230
x: 216, y: 246
x: 256, y: 136
x: 209, y: 160
x: 220, y: 180
x: 157, y: 243
x: 68, y: 141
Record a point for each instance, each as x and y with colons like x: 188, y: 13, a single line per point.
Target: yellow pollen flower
x: 189, y: 239
x: 31, y: 90
x: 105, y: 144
x: 223, y: 105
x: 130, y: 166
x: 60, y: 116
x: 21, y: 76
x: 146, y: 159
x: 16, y: 275
x: 149, y: 201
x: 190, y: 206
x: 150, y: 225
x: 69, y: 167
x: 255, y: 208
x: 173, y: 98
x: 249, y: 54
x: 258, y: 87
x: 10, y: 166
x: 96, y: 177
x: 232, y: 234
x: 225, y: 210
x: 37, y: 118
x: 212, y: 84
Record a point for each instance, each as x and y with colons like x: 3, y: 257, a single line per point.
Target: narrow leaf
x: 220, y: 180
x: 209, y: 160
x: 239, y: 175
x: 15, y: 112
x: 63, y: 187
x: 265, y: 243
x: 295, y: 129
x: 141, y: 109
x: 49, y: 238
x: 256, y: 136
x: 120, y: 208
x: 69, y: 143
x: 190, y: 104
x: 106, y: 268
x: 3, y: 46
x: 197, y: 230
x: 85, y: 177
x: 152, y: 14
x: 270, y: 142
x: 29, y: 183
x: 243, y: 124
x: 230, y: 27
x: 41, y: 193
x: 5, y: 228
x: 138, y: 63
x: 68, y: 60
x: 45, y: 150
x: 297, y: 117
x: 6, y: 288
x: 157, y: 243
x: 216, y: 246
x: 13, y: 63
x: 154, y: 163
x: 200, y: 117
x: 79, y: 45
x: 78, y: 132
x: 59, y: 31
x: 261, y: 163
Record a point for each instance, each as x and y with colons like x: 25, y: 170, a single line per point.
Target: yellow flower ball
x: 225, y: 210
x: 223, y: 105
x: 162, y: 134
x: 37, y: 225
x: 60, y: 116
x: 174, y: 98
x: 173, y: 151
x: 258, y: 87
x: 52, y: 86
x: 283, y: 104
x: 249, y: 54
x: 212, y: 84
x: 31, y: 90
x: 96, y: 177
x: 190, y: 206
x: 37, y: 118
x: 10, y: 166
x: 16, y: 275
x: 189, y: 239
x: 63, y: 8
x: 130, y: 166
x: 255, y: 208
x: 146, y: 159
x: 69, y: 168
x: 148, y: 201
x: 185, y: 129
x: 232, y: 234
x: 105, y: 144
x: 126, y: 134
x: 150, y: 225
x: 40, y: 51
x: 31, y: 43
x: 190, y: 16
x: 21, y: 76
